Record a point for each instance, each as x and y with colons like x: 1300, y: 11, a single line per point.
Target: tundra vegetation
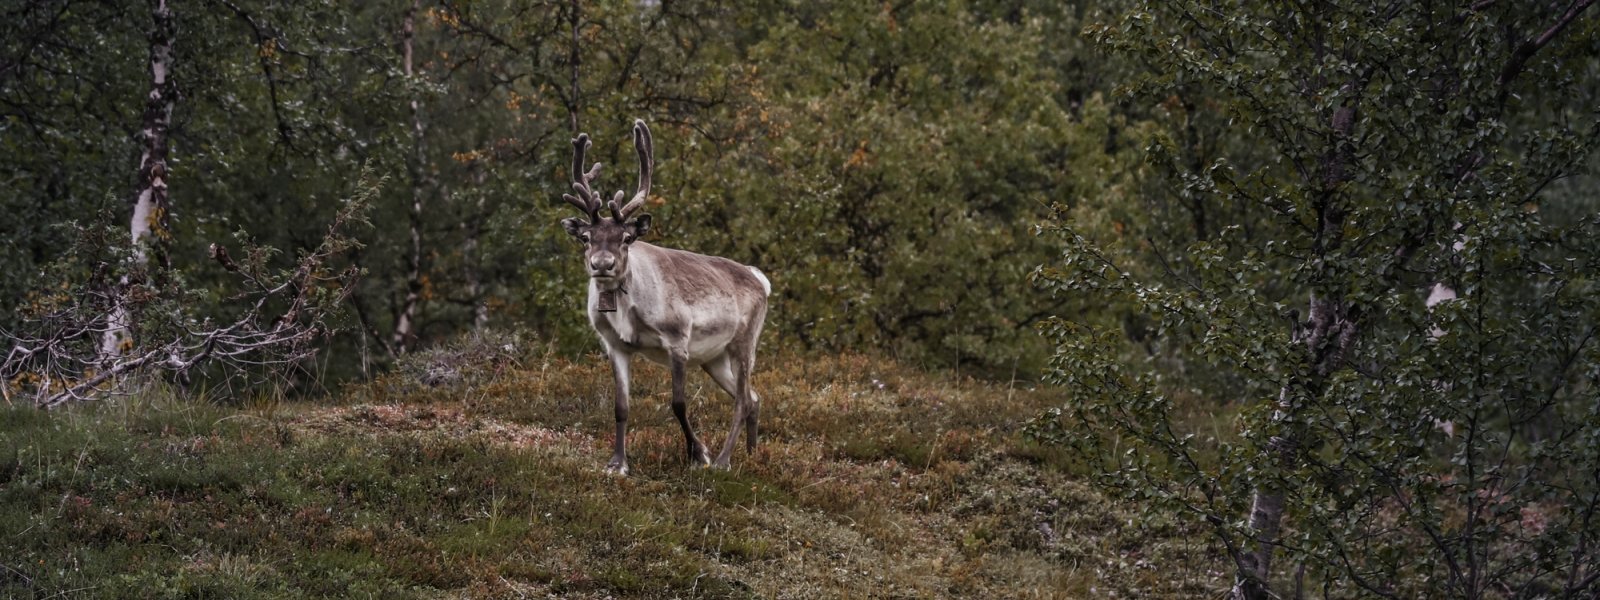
x: 1111, y: 298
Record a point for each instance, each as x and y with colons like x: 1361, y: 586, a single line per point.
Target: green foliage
x: 69, y: 108
x: 891, y: 188
x: 887, y: 180
x: 1368, y: 154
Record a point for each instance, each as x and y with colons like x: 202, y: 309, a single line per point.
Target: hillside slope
x: 872, y: 480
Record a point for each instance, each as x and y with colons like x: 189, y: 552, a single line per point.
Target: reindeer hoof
x: 721, y: 464
x: 617, y: 467
x: 699, y: 456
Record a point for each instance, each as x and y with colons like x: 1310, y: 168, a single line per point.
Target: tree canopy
x: 1372, y: 241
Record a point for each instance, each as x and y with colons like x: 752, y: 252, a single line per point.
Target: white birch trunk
x: 1327, y: 335
x: 148, y: 225
x: 406, y: 321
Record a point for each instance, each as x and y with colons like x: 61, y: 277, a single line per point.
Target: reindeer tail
x: 765, y: 284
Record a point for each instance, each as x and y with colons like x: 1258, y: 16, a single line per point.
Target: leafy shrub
x: 1381, y: 370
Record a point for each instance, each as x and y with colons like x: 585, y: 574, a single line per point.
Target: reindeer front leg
x: 680, y: 409
x: 621, y: 362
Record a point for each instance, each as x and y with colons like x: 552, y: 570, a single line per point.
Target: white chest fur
x: 619, y: 328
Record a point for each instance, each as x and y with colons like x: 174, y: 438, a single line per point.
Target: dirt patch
x: 385, y: 419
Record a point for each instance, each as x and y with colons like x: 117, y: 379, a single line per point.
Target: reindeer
x: 677, y: 308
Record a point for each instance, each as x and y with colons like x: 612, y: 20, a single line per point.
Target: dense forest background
x: 1318, y: 278
x: 890, y: 178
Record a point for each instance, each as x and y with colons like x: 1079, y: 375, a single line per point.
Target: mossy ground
x: 873, y: 479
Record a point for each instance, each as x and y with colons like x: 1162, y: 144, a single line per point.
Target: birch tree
x: 1373, y: 151
x: 148, y: 226
x: 416, y: 164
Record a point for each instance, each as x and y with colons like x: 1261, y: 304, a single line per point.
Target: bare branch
x: 55, y: 359
x: 1525, y: 51
x: 267, y: 43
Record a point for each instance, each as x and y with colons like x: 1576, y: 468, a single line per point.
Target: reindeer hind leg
x: 729, y: 376
x: 752, y: 404
x: 750, y: 412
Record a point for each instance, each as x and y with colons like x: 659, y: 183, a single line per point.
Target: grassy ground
x: 872, y: 480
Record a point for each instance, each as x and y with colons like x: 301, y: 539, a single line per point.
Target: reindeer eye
x: 584, y: 237
x: 627, y: 238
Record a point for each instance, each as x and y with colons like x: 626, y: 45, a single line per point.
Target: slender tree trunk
x: 148, y: 224
x: 471, y: 254
x: 1327, y: 335
x: 574, y: 60
x: 405, y: 323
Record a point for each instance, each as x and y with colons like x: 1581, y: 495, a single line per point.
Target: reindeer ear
x: 639, y: 225
x: 573, y: 225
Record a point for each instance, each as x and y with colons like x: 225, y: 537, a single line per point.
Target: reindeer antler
x: 647, y: 163
x: 586, y: 200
